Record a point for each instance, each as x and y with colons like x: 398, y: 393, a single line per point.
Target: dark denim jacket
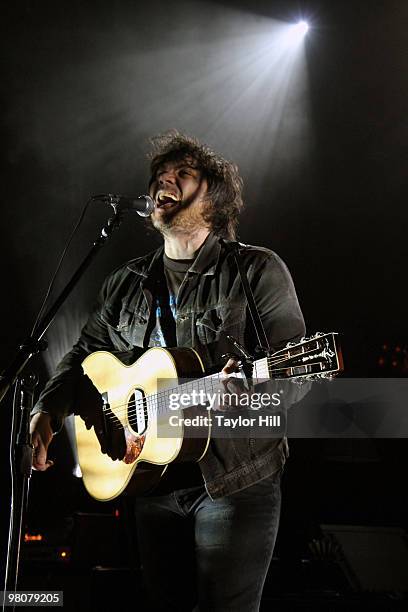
x: 211, y: 303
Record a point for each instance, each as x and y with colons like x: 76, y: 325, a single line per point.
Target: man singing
x: 206, y: 534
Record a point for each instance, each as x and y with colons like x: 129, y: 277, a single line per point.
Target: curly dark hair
x: 224, y: 194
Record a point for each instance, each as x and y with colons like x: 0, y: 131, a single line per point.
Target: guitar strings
x: 146, y: 409
x: 156, y: 404
x: 181, y: 388
x: 269, y: 360
x: 163, y: 395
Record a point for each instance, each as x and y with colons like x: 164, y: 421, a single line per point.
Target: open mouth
x: 166, y: 199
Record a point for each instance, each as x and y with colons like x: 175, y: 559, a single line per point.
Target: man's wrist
x: 55, y: 422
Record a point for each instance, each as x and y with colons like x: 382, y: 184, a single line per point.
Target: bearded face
x: 179, y: 191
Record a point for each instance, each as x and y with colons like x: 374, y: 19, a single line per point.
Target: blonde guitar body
x: 123, y: 389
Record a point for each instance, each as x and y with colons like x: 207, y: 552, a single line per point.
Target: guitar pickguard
x: 134, y: 446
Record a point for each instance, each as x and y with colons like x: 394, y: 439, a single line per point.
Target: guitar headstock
x: 316, y: 357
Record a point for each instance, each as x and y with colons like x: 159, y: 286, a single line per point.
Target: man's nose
x: 167, y: 177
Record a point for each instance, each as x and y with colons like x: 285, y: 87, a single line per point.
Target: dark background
x: 86, y: 84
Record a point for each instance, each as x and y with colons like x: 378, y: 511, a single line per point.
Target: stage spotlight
x: 296, y: 32
x: 302, y: 28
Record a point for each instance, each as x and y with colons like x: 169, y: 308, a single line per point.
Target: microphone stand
x: 21, y: 449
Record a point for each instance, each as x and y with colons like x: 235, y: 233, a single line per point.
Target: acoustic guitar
x: 139, y: 400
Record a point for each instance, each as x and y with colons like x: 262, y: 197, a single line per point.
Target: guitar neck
x: 311, y: 358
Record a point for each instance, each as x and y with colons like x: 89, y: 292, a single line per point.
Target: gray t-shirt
x: 177, y: 475
x: 164, y: 331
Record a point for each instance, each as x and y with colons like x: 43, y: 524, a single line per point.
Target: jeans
x: 206, y: 555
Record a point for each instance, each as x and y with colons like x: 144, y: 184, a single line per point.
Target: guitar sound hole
x: 137, y: 412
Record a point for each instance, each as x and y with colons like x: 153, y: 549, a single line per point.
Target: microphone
x: 143, y: 205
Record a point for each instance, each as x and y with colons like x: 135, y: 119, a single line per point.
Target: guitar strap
x: 234, y: 248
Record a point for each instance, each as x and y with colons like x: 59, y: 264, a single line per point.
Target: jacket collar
x: 205, y: 262
x: 207, y: 259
